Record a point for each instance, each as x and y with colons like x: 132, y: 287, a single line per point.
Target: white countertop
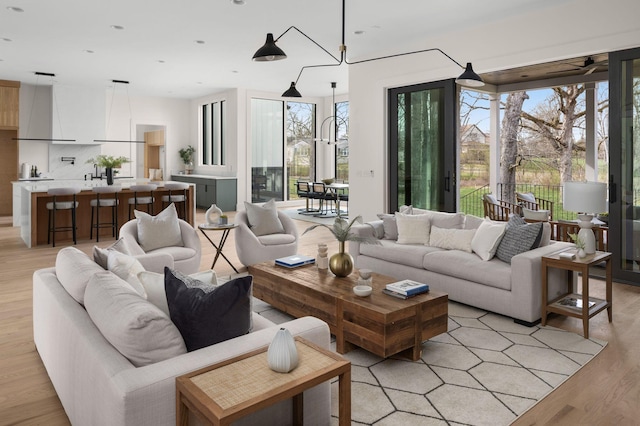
x: 203, y: 176
x: 43, y: 186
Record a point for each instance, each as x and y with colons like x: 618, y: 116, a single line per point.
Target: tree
x: 509, y: 142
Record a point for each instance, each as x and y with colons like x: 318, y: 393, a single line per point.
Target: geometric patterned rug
x: 486, y: 370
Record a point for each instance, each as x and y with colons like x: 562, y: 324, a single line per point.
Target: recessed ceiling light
x: 238, y: 2
x: 160, y: 61
x: 198, y: 82
x: 15, y: 9
x: 117, y: 27
x: 88, y: 51
x: 6, y: 39
x: 199, y: 41
x: 358, y: 32
x: 235, y: 71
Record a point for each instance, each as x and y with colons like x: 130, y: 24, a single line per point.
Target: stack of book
x: 405, y: 289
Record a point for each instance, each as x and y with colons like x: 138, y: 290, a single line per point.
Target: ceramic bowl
x: 362, y: 290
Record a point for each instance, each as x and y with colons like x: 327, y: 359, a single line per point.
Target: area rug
x: 486, y: 370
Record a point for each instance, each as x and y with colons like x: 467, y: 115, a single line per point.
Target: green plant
x: 341, y: 231
x: 108, y: 161
x: 187, y: 154
x: 578, y: 241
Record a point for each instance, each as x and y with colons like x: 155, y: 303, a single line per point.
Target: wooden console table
x: 576, y: 265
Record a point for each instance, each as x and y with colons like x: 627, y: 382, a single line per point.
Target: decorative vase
x: 213, y: 215
x: 188, y: 168
x: 109, y: 173
x: 282, y: 355
x: 581, y: 253
x: 322, y: 261
x: 341, y: 263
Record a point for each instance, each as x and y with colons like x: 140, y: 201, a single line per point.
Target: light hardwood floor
x: 605, y: 392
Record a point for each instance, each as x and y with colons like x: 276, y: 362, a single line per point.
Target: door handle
x: 612, y: 190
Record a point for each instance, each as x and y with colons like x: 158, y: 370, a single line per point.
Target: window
x: 212, y: 133
x: 342, y: 140
x: 300, y: 144
x: 267, y: 150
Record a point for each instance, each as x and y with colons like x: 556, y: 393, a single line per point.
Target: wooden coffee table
x: 378, y: 323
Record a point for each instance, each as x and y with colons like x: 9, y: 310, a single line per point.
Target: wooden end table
x: 226, y: 229
x: 224, y: 392
x: 576, y: 265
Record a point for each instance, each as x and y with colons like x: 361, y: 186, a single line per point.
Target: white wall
x: 567, y: 29
x: 35, y: 122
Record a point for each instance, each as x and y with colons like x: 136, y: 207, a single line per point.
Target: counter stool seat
x: 144, y: 200
x: 178, y: 196
x: 98, y: 202
x: 55, y: 205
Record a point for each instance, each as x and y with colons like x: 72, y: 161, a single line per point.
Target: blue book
x: 295, y: 260
x: 408, y: 287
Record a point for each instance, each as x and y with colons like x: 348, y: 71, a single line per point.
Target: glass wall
x: 301, y: 118
x: 212, y: 117
x: 267, y: 150
x: 342, y: 140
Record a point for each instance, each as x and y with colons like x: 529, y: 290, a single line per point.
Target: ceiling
x: 190, y: 49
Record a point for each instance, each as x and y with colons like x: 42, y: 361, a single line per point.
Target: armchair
x: 529, y: 201
x: 254, y: 249
x: 186, y: 259
x: 498, y: 210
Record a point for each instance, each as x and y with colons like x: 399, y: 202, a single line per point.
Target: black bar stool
x: 56, y: 205
x: 177, y: 195
x: 98, y: 202
x: 142, y: 200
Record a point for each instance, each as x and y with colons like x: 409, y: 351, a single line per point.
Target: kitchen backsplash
x: 59, y: 169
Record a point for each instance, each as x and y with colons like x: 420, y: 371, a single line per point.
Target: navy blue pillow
x: 206, y: 314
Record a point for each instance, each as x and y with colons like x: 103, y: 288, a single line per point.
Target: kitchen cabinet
x: 9, y: 105
x: 221, y: 191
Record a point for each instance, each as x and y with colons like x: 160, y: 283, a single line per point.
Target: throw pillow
x: 413, y: 229
x: 161, y: 230
x: 74, y: 269
x: 263, y: 220
x: 488, y: 235
x: 204, y: 314
x: 527, y: 196
x: 126, y: 268
x: 442, y: 219
x: 100, y: 255
x: 451, y: 239
x: 389, y: 226
x: 153, y: 284
x: 519, y: 237
x: 539, y: 215
x: 136, y: 328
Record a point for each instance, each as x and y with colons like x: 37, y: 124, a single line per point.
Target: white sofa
x: 97, y: 385
x: 512, y: 289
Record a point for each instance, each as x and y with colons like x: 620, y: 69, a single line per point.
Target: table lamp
x: 587, y: 199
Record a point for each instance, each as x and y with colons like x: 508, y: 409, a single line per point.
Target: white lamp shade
x: 585, y: 197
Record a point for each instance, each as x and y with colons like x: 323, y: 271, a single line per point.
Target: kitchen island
x: 33, y: 215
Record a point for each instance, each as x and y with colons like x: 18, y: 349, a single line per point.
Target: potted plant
x: 341, y: 263
x: 108, y: 162
x: 187, y: 158
x: 580, y: 245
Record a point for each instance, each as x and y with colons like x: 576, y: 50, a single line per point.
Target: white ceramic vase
x: 213, y: 215
x: 282, y: 354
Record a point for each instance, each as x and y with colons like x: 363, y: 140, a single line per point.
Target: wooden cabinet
x: 153, y: 141
x: 221, y: 191
x: 9, y: 105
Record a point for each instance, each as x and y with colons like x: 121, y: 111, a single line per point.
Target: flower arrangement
x: 108, y: 161
x: 578, y: 241
x: 341, y: 231
x: 187, y: 154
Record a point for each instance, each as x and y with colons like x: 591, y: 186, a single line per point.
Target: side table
x: 579, y: 310
x: 224, y: 392
x: 226, y: 229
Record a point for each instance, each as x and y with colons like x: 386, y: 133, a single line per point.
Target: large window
x: 301, y: 118
x: 267, y: 150
x: 212, y: 133
x: 342, y: 140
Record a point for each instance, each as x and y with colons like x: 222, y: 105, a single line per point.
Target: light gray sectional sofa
x: 511, y: 289
x: 97, y: 385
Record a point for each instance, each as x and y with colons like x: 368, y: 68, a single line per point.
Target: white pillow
x: 127, y: 268
x: 162, y: 230
x: 100, y: 255
x: 413, y: 229
x: 153, y: 284
x: 74, y: 269
x: 527, y: 196
x: 487, y: 238
x: 134, y: 326
x: 263, y: 220
x: 451, y: 239
x: 539, y: 215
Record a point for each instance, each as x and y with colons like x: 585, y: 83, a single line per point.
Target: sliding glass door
x: 624, y: 185
x: 267, y: 150
x: 422, y: 146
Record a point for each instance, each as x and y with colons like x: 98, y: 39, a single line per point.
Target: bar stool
x: 177, y: 195
x: 56, y: 205
x: 98, y: 202
x: 144, y: 200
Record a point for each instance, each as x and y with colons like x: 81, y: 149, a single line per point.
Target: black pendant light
x: 269, y: 51
x: 292, y: 92
x: 469, y: 77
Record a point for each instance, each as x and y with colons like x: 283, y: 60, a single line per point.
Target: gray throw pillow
x: 519, y: 237
x: 206, y: 314
x: 389, y: 225
x: 263, y: 220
